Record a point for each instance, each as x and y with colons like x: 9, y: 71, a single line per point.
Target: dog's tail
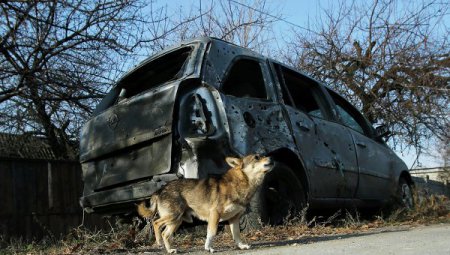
x: 148, y: 212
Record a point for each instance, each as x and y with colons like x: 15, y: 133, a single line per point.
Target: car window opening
x: 245, y: 79
x: 300, y: 92
x: 159, y: 71
x: 350, y: 117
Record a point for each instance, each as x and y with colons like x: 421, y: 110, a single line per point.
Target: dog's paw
x: 209, y: 249
x: 243, y: 246
x: 173, y: 251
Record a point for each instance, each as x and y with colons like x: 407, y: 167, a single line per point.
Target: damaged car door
x: 375, y: 160
x: 255, y: 119
x: 129, y: 139
x: 326, y: 147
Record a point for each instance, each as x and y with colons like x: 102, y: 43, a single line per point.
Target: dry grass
x: 301, y: 229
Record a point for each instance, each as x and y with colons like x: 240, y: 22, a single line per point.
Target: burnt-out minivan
x: 179, y: 113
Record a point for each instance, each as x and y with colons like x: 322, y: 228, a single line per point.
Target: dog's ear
x: 233, y: 162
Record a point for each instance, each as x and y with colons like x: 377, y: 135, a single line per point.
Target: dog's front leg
x: 213, y: 222
x: 236, y: 232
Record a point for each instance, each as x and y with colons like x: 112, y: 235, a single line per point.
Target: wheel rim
x: 277, y: 201
x: 282, y: 198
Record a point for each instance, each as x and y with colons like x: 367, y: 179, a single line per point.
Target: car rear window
x: 160, y: 70
x: 168, y: 67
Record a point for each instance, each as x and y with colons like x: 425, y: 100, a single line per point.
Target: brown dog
x: 212, y: 200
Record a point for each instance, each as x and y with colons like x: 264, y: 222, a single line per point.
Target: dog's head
x: 254, y: 166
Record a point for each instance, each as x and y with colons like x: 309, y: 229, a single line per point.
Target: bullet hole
x: 249, y: 120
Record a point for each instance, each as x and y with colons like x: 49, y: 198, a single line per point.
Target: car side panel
x: 256, y: 126
x: 377, y: 168
x: 329, y: 156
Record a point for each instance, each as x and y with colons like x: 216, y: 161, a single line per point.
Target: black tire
x: 280, y: 196
x: 405, y: 194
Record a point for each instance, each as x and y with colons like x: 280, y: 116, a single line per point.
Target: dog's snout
x: 270, y: 162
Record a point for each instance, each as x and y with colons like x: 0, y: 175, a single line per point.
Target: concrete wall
x: 432, y: 187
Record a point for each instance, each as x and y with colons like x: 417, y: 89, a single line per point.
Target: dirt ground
x: 403, y: 239
x: 428, y: 224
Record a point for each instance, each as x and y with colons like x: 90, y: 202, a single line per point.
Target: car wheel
x: 405, y: 193
x: 280, y: 197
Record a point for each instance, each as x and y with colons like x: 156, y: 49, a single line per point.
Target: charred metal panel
x: 130, y: 165
x: 203, y: 134
x: 128, y: 123
x: 219, y: 56
x: 376, y: 167
x: 130, y: 140
x: 337, y: 149
x: 125, y: 194
x: 256, y: 126
x: 199, y: 114
x: 328, y: 153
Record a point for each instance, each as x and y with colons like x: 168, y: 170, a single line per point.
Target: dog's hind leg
x: 236, y: 232
x: 171, y: 226
x: 157, y: 224
x: 213, y: 222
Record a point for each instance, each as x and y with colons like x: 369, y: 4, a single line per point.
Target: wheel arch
x: 407, y: 176
x: 291, y: 159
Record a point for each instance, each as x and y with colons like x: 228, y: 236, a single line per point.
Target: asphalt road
x: 422, y: 240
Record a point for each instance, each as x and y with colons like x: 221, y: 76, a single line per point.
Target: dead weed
x: 429, y: 209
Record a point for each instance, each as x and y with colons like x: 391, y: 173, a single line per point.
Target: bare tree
x: 245, y: 23
x: 57, y: 58
x: 394, y: 63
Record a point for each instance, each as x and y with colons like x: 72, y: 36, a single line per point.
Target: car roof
x: 206, y: 40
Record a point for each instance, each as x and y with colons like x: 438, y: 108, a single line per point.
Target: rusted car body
x: 181, y: 112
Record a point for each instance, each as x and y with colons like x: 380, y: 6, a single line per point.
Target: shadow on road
x: 315, y: 239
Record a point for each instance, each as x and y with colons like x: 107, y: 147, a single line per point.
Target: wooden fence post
x: 50, y: 185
